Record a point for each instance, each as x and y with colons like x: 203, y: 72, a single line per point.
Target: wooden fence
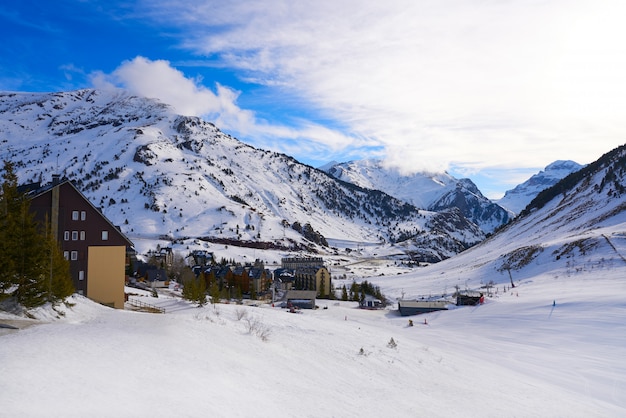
x: 145, y: 306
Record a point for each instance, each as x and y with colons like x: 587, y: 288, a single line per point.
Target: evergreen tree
x: 32, y: 269
x: 188, y: 291
x: 354, y: 292
x: 60, y: 279
x: 31, y: 259
x: 331, y: 294
x: 322, y: 289
x: 194, y: 290
x: 8, y: 227
x: 214, y: 292
x: 344, y: 293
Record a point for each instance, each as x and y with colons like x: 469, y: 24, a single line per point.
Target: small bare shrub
x: 256, y: 327
x: 241, y: 314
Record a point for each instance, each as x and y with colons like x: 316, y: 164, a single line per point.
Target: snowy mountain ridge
x: 517, y: 198
x: 577, y: 225
x: 431, y: 191
x: 165, y: 177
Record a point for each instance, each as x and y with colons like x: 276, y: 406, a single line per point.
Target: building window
x: 74, y: 255
x: 74, y: 235
x: 66, y: 255
x: 81, y: 275
x: 66, y: 235
x: 82, y: 235
x: 83, y: 215
x: 74, y: 215
x: 105, y: 235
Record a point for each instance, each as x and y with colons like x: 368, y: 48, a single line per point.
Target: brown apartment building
x: 97, y: 250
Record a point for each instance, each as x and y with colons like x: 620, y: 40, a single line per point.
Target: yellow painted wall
x: 105, y: 281
x: 323, y: 274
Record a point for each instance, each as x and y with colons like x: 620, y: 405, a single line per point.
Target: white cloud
x: 187, y: 96
x: 470, y: 83
x: 159, y: 79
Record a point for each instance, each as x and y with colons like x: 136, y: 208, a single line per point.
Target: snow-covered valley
x: 516, y: 355
x: 549, y: 341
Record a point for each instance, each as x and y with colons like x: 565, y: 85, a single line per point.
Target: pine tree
x: 322, y: 289
x: 23, y: 249
x: 29, y: 252
x: 344, y: 293
x: 194, y: 289
x: 60, y: 279
x: 8, y: 227
x: 32, y: 267
x: 354, y: 292
x: 201, y: 295
x: 214, y: 292
x: 188, y: 290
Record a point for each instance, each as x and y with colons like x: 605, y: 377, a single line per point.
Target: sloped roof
x: 33, y: 192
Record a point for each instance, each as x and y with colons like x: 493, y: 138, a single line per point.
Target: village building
x: 202, y: 257
x: 284, y: 279
x: 295, y: 263
x: 247, y: 279
x: 300, y: 299
x: 308, y: 273
x: 156, y: 278
x: 97, y: 250
x: 164, y: 256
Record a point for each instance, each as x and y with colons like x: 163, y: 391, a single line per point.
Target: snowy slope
x: 431, y: 191
x: 162, y: 176
x: 515, y: 356
x: 580, y: 225
x: 552, y: 346
x: 517, y: 198
x: 420, y: 189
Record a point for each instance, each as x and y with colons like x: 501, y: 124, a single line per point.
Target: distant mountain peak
x: 517, y: 198
x: 428, y: 190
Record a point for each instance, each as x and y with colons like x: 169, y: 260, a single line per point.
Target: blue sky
x: 492, y: 90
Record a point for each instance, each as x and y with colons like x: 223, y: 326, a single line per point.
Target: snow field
x: 517, y: 355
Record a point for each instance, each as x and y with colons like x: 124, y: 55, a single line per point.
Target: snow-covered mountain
x: 517, y: 198
x: 159, y: 175
x: 556, y: 342
x: 431, y: 191
x: 576, y: 227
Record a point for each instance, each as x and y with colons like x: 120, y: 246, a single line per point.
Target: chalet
x: 241, y: 279
x: 258, y: 279
x: 284, y: 279
x: 97, y: 250
x: 222, y: 275
x: 202, y: 257
x: 156, y: 278
x: 164, y: 256
x: 371, y: 303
